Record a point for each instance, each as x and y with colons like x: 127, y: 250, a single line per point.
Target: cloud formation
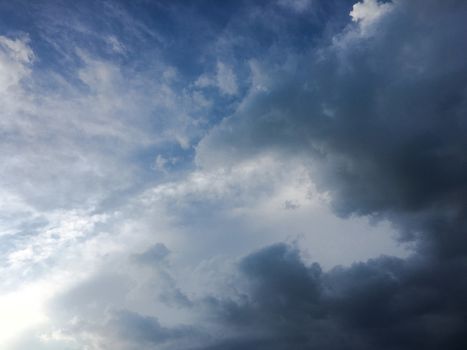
x: 379, y: 114
x: 384, y: 303
x: 154, y: 199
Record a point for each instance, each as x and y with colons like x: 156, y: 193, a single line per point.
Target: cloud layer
x: 242, y: 194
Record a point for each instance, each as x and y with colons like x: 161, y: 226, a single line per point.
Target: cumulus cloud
x: 384, y: 303
x: 368, y: 11
x: 380, y: 116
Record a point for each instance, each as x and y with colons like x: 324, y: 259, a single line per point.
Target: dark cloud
x: 135, y: 328
x: 380, y: 114
x: 389, y: 104
x: 384, y: 303
x: 157, y: 254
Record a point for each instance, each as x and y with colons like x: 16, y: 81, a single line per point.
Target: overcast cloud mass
x: 220, y: 175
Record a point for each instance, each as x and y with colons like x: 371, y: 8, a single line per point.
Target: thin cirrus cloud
x: 281, y: 175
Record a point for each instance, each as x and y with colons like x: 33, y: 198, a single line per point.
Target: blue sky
x: 282, y: 174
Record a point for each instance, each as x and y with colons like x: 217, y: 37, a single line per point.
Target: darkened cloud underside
x: 380, y: 113
x: 384, y: 303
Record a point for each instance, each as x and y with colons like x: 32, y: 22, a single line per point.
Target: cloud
x: 380, y: 117
x: 225, y: 80
x: 116, y: 45
x: 15, y: 59
x: 145, y: 331
x: 369, y: 11
x: 296, y: 5
x: 154, y: 255
x: 367, y: 117
x: 80, y: 130
x: 121, y: 265
x: 387, y: 303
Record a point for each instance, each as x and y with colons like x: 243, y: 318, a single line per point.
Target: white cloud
x: 224, y: 79
x: 15, y: 61
x: 21, y: 309
x: 67, y: 150
x: 116, y: 45
x: 368, y: 11
x: 75, y: 141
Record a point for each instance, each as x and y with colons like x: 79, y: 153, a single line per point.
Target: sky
x: 219, y: 175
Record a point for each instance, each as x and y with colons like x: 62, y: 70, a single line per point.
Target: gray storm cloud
x: 380, y: 114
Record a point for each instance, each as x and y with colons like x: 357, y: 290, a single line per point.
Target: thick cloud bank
x: 382, y: 110
x: 385, y: 303
x: 380, y: 113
